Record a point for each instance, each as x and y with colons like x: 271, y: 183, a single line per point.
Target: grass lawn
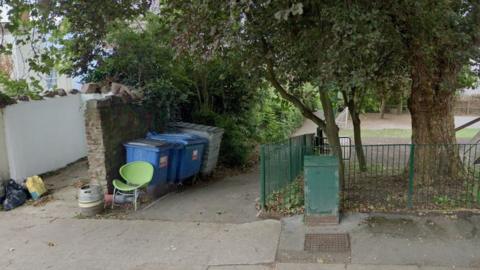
x: 402, y: 133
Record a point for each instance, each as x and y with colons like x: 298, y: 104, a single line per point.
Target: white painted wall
x: 44, y: 135
x: 4, y: 170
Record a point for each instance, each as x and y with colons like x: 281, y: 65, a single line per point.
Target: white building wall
x: 64, y: 82
x: 21, y: 69
x: 44, y: 135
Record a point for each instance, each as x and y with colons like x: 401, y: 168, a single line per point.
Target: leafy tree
x: 432, y: 40
x: 19, y: 88
x: 276, y: 48
x: 273, y: 47
x: 141, y: 57
x: 438, y: 39
x: 77, y: 28
x: 355, y: 57
x: 289, y: 42
x: 215, y: 91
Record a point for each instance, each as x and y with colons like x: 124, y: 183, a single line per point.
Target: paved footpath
x: 214, y: 227
x: 42, y: 243
x: 36, y: 243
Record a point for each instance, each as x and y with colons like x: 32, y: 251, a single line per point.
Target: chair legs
x: 135, y: 197
x: 113, y: 197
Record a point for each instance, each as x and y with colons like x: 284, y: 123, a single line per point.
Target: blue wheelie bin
x: 189, y: 154
x: 156, y: 153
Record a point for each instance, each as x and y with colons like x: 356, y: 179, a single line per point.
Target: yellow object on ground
x: 35, y: 186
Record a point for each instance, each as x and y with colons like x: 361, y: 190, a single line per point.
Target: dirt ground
x: 61, y: 201
x: 230, y: 199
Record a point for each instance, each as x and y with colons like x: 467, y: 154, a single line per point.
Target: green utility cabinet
x: 322, y: 190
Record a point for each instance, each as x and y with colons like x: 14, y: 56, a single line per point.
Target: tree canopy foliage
x: 351, y: 43
x: 215, y: 91
x: 343, y: 45
x: 77, y: 29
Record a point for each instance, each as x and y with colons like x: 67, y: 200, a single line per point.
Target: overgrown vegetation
x: 217, y: 91
x: 289, y: 200
x: 5, y: 100
x: 19, y: 88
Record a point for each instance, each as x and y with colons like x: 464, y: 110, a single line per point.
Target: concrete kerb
x: 311, y: 266
x: 242, y: 267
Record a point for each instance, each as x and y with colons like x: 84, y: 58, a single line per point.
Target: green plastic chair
x: 137, y: 175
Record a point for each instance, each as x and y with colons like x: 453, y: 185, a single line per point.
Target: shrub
x: 218, y: 92
x: 289, y: 200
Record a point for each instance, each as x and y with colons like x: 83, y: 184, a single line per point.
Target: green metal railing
x: 413, y: 176
x: 394, y: 176
x: 281, y: 163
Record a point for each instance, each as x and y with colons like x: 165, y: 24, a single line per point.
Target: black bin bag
x: 15, y: 195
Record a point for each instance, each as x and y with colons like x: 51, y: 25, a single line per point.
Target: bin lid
x: 192, y: 126
x: 149, y: 143
x: 183, y: 138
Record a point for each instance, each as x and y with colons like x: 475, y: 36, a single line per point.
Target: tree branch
x: 272, y: 78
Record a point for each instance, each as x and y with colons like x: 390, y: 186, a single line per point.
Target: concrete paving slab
x: 401, y: 267
x: 293, y: 233
x: 309, y: 266
x: 382, y: 239
x: 381, y: 267
x: 445, y: 268
x: 125, y: 244
x: 157, y: 266
x: 241, y: 267
x: 292, y: 238
x: 313, y: 266
x: 410, y: 240
x: 230, y: 200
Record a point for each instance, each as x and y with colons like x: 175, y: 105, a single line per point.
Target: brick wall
x: 110, y: 122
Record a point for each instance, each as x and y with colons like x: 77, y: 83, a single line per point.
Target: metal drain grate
x: 327, y: 242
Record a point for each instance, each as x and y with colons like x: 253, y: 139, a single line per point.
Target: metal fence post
x: 411, y: 174
x: 290, y: 160
x: 304, y: 150
x: 262, y: 177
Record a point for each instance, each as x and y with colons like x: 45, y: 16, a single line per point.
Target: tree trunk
x: 382, y: 108
x: 400, y: 104
x: 433, y: 130
x: 332, y: 133
x: 357, y: 133
x: 306, y: 112
x: 357, y: 137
